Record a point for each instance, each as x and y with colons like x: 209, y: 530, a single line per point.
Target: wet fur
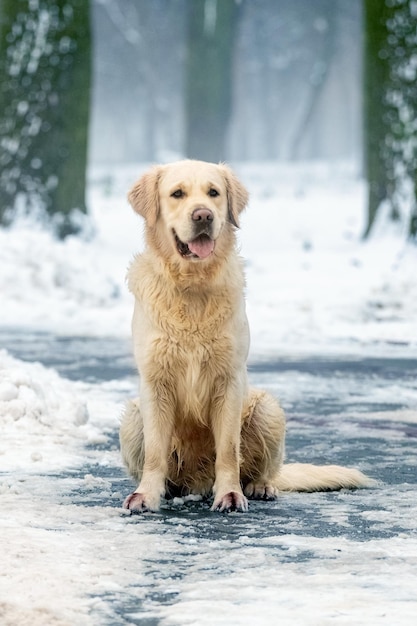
x: 198, y: 427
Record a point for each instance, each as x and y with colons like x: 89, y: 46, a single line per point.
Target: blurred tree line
x: 45, y: 84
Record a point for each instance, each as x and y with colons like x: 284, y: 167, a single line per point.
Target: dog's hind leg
x: 262, y: 445
x: 263, y: 474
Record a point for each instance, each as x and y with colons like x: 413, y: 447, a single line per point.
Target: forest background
x: 88, y: 81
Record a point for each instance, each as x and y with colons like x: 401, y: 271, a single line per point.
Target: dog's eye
x: 213, y: 192
x: 178, y: 193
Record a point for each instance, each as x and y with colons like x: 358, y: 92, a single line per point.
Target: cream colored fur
x: 198, y: 427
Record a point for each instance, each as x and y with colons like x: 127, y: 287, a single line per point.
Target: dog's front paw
x: 261, y: 491
x: 140, y: 502
x: 232, y: 501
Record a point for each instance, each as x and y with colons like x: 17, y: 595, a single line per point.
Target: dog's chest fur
x: 185, y: 338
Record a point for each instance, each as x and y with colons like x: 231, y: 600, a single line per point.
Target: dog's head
x: 188, y: 206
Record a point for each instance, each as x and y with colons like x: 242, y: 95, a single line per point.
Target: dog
x: 197, y: 427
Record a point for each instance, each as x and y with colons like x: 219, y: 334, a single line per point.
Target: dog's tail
x: 306, y: 477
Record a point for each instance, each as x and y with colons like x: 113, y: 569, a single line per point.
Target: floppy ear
x: 144, y: 196
x: 237, y: 196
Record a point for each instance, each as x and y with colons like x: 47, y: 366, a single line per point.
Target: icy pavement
x: 70, y: 555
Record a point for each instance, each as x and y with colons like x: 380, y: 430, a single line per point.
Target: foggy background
x: 296, y: 92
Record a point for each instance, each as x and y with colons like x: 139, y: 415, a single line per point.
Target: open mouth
x: 199, y: 248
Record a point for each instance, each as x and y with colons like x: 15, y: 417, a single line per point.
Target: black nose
x: 202, y: 215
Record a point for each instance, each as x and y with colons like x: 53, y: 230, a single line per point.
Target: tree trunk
x: 211, y: 36
x: 376, y: 78
x: 390, y: 109
x: 44, y: 99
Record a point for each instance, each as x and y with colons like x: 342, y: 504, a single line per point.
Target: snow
x: 71, y: 556
x: 44, y: 416
x: 312, y: 282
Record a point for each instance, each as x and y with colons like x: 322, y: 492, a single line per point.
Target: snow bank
x: 312, y: 283
x: 45, y: 421
x: 60, y: 286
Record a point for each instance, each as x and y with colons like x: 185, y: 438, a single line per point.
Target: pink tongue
x: 202, y: 246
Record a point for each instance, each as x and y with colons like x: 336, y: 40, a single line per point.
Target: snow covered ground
x: 316, y: 295
x: 312, y: 283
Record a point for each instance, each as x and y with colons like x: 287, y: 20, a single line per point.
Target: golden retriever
x: 198, y: 428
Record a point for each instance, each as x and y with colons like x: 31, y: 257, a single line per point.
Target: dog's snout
x: 202, y: 215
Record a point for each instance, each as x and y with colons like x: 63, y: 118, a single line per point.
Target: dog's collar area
x: 199, y: 248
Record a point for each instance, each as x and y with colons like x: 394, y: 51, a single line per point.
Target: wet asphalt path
x: 354, y: 411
